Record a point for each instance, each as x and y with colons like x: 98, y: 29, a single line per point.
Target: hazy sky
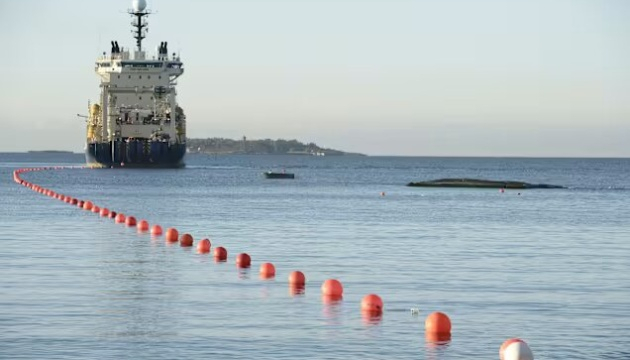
x: 433, y: 77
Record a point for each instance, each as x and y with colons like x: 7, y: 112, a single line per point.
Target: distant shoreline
x: 66, y: 152
x: 244, y: 146
x: 50, y: 152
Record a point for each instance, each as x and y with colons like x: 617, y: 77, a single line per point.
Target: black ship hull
x: 136, y: 154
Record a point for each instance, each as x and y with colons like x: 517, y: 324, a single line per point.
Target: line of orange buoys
x: 437, y: 324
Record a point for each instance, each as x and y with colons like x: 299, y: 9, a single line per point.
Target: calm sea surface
x: 549, y: 266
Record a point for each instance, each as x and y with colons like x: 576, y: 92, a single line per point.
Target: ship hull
x: 136, y: 154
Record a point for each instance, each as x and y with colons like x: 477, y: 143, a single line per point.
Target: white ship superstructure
x: 137, y: 121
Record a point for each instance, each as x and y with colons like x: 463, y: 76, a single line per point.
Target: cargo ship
x: 137, y: 121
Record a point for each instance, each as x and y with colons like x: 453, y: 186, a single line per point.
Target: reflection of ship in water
x: 137, y: 122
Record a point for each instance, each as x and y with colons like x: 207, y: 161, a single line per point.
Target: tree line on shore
x: 265, y: 146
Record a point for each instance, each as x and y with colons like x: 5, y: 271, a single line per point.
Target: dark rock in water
x: 477, y: 183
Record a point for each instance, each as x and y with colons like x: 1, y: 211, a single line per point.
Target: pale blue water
x: 549, y: 266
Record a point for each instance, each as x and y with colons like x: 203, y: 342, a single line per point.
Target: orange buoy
x: 372, y: 303
x: 186, y: 240
x: 104, y: 212
x: 171, y: 235
x: 112, y: 215
x: 297, y: 278
x: 156, y: 230
x: 87, y: 205
x: 267, y: 271
x: 130, y: 221
x: 143, y: 226
x: 437, y: 323
x: 515, y: 349
x: 220, y: 253
x: 120, y: 218
x: 204, y: 246
x: 96, y: 209
x: 332, y: 287
x: 243, y: 260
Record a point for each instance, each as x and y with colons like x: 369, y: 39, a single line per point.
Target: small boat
x: 279, y: 175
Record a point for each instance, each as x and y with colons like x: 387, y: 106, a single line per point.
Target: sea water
x: 550, y: 266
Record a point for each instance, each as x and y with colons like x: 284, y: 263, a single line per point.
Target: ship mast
x: 139, y: 23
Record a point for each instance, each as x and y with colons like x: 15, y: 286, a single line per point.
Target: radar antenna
x: 139, y: 12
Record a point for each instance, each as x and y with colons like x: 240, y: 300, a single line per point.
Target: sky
x: 547, y: 78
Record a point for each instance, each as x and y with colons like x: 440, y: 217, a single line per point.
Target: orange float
x: 332, y: 287
x: 186, y: 240
x: 143, y: 226
x: 171, y: 235
x: 372, y: 303
x: 297, y: 278
x: 112, y: 215
x: 220, y: 253
x: 243, y: 260
x: 104, y: 212
x: 203, y: 247
x: 156, y: 230
x: 120, y: 218
x: 88, y: 205
x: 267, y: 271
x: 130, y: 221
x: 437, y: 323
x: 96, y: 209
